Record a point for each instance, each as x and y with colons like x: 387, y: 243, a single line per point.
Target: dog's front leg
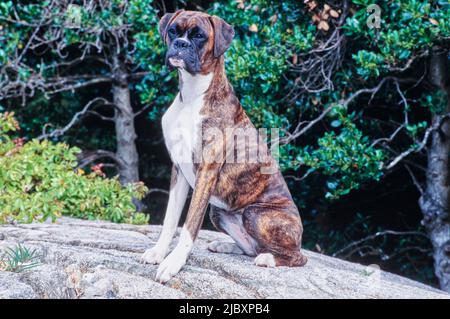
x: 179, y: 188
x: 204, y: 185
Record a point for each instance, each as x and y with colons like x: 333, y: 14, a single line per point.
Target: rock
x: 87, y: 259
x: 11, y: 287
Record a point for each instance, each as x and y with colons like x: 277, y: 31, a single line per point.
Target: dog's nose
x: 181, y: 44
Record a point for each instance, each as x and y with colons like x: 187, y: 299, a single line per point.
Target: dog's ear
x: 164, y: 23
x: 223, y: 35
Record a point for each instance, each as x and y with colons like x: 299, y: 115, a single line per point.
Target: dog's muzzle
x: 181, y: 54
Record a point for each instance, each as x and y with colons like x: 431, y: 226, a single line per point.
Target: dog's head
x: 195, y: 40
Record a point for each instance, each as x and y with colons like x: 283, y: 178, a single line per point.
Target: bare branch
x: 376, y: 235
x: 104, y: 118
x: 87, y: 157
x: 414, y: 179
x: 157, y: 190
x: 145, y: 108
x: 300, y: 131
x: 73, y: 121
x: 420, y: 145
x: 409, y: 62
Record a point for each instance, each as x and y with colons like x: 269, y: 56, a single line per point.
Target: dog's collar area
x: 193, y: 86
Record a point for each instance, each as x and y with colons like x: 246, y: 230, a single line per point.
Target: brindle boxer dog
x: 253, y: 207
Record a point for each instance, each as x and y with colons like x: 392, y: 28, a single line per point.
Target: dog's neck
x: 193, y: 86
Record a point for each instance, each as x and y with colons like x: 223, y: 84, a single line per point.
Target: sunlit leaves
x: 39, y: 180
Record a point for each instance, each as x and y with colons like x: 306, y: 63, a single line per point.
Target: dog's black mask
x: 185, y: 45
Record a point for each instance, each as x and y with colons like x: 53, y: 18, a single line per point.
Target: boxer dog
x: 253, y: 207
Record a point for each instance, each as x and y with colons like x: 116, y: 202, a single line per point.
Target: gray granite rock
x: 86, y: 259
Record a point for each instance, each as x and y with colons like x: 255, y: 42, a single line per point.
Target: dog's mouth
x: 183, y: 60
x: 177, y: 62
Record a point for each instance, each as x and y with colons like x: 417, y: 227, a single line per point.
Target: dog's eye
x: 198, y: 36
x: 172, y: 31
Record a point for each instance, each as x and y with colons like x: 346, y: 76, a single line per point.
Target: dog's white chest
x: 182, y: 133
x: 182, y: 127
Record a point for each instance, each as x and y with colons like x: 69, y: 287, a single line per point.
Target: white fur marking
x: 177, y: 62
x: 177, y: 198
x: 218, y: 203
x: 173, y: 263
x: 182, y: 124
x: 265, y: 260
x: 224, y: 247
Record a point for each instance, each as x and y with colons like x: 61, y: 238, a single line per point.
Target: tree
x: 58, y: 46
x: 435, y: 200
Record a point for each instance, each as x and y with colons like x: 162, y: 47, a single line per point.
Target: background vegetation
x: 363, y: 111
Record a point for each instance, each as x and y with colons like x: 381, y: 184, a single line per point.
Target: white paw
x: 170, y: 267
x: 153, y: 256
x: 265, y: 260
x: 224, y: 247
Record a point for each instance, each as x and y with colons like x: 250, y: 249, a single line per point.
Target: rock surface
x: 85, y: 259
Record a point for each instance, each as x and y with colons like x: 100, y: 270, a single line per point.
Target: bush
x: 40, y: 180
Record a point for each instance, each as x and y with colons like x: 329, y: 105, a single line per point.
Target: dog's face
x: 195, y: 40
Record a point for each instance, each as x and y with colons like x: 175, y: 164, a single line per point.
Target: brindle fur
x: 260, y: 203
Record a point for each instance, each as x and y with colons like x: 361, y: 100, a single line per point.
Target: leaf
x: 325, y: 16
x: 273, y: 18
x: 323, y: 25
x: 315, y: 18
x: 336, y: 123
x: 334, y: 14
x: 433, y: 21
x: 311, y: 5
x: 253, y: 28
x: 332, y: 185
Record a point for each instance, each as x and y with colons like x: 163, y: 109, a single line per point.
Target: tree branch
x: 88, y: 157
x: 421, y: 145
x: 298, y: 131
x: 73, y: 121
x: 378, y: 234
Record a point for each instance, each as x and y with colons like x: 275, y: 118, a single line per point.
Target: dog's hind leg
x: 224, y: 247
x: 218, y: 246
x: 278, y: 233
x: 231, y: 224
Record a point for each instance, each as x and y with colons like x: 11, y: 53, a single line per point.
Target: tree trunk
x: 435, y: 199
x: 124, y: 122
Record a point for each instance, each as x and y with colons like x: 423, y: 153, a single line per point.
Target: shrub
x: 40, y: 180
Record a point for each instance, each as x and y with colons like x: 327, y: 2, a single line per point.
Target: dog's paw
x: 265, y: 260
x: 170, y: 267
x: 153, y: 256
x: 224, y: 247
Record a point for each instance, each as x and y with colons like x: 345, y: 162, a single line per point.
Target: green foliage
x: 407, y: 29
x: 267, y: 35
x: 347, y: 158
x: 39, y: 180
x: 19, y: 259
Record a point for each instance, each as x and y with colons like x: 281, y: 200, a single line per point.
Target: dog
x: 253, y: 207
